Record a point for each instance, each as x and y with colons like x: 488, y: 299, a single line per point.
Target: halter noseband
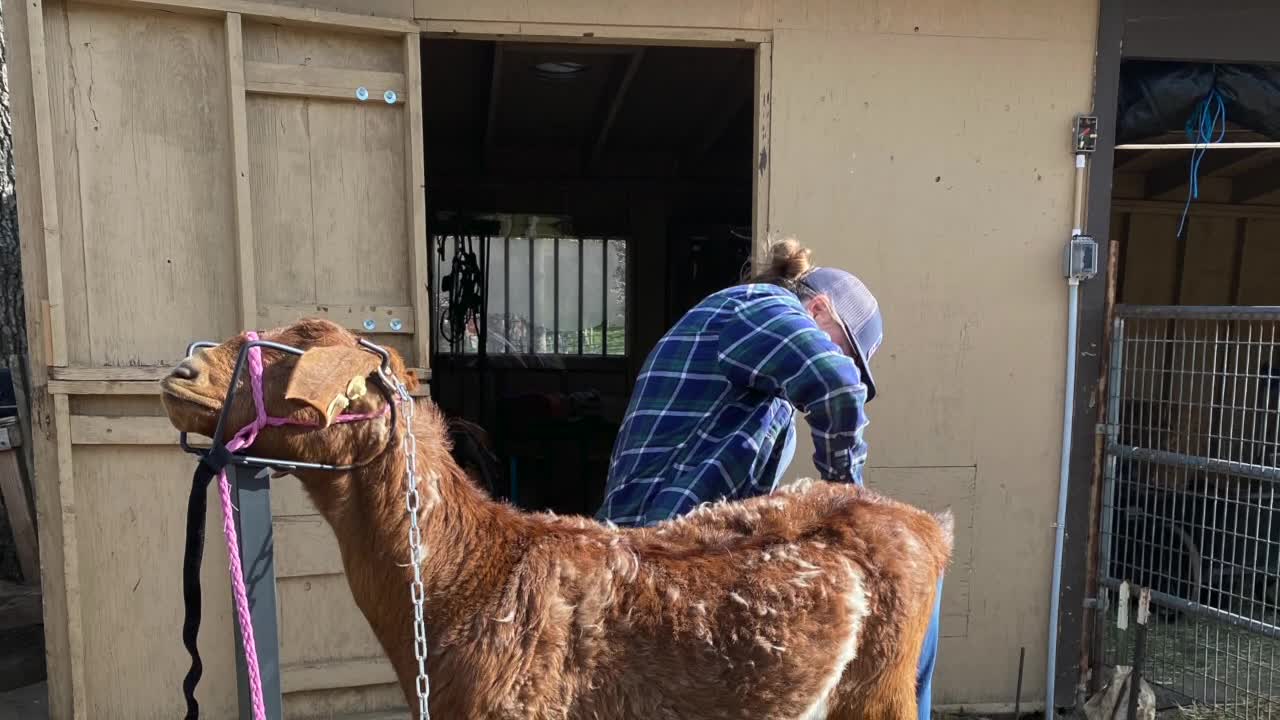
x: 213, y: 462
x: 221, y: 454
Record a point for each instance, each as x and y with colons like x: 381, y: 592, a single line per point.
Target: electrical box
x: 1085, y: 134
x: 1081, y: 261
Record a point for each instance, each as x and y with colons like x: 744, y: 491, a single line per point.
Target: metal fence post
x: 252, y: 493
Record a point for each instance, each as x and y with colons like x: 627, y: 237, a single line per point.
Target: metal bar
x: 532, y: 332
x: 1204, y: 611
x: 257, y: 556
x: 506, y: 293
x: 555, y: 300
x: 582, y: 244
x: 1200, y: 312
x: 1113, y: 432
x: 1251, y: 145
x: 604, y: 296
x: 1194, y: 462
x: 1017, y: 692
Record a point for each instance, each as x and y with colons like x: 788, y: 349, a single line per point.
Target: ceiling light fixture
x: 559, y: 69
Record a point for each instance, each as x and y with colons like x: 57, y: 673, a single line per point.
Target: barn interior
x: 1196, y: 214
x: 580, y: 198
x: 1196, y: 224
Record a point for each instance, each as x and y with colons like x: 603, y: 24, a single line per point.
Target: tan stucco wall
x: 923, y: 145
x: 936, y: 165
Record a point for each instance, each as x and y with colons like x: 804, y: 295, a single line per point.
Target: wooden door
x: 186, y: 173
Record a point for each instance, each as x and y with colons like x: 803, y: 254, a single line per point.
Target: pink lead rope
x: 244, y: 438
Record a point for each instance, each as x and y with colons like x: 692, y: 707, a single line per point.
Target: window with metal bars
x: 546, y: 294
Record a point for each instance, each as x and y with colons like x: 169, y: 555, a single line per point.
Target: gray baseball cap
x: 858, y: 312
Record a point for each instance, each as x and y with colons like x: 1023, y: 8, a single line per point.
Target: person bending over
x: 714, y: 408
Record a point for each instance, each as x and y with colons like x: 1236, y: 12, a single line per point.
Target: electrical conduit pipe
x: 1064, y: 467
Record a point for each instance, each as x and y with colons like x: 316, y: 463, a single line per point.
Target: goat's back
x: 811, y: 602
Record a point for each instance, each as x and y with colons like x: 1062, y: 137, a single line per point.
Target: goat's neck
x: 470, y: 542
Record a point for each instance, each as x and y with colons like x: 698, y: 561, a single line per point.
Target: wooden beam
x: 616, y: 100
x: 351, y: 317
x: 760, y: 148
x: 131, y: 388
x: 303, y: 677
x: 275, y: 14
x: 491, y: 115
x: 1171, y: 207
x: 1251, y: 185
x: 415, y: 184
x: 242, y: 202
x: 143, y: 373
x: 1124, y: 160
x: 136, y: 430
x: 103, y: 387
x: 1168, y: 178
x: 322, y: 82
x: 70, y: 556
x: 48, y: 198
x: 596, y: 34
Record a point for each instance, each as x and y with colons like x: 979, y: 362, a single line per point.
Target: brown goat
x: 809, y: 603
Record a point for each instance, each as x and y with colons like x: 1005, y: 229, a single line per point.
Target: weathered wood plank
x: 242, y: 199
x: 416, y: 201
x: 303, y: 677
x: 322, y: 82
x: 387, y: 319
x: 282, y: 14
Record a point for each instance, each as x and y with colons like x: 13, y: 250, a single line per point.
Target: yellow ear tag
x: 337, y: 405
x: 357, y: 388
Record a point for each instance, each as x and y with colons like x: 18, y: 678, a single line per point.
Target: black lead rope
x: 197, y: 509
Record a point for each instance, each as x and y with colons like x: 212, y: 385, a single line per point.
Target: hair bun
x: 789, y: 260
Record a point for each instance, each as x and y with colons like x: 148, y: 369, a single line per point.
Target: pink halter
x: 242, y: 439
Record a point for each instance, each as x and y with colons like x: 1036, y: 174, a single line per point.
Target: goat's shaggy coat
x: 809, y: 603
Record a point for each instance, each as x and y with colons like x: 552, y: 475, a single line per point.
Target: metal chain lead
x: 413, y: 502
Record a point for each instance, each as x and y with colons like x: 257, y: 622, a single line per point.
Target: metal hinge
x: 1106, y: 429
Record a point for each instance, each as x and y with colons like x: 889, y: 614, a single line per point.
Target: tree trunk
x: 13, y: 327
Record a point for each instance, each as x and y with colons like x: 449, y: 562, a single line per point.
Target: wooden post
x: 760, y: 160
x: 13, y: 487
x: 416, y: 199
x: 242, y: 200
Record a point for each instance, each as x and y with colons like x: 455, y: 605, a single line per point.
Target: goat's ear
x: 328, y: 378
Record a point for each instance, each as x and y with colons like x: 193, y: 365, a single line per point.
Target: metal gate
x: 1190, y: 508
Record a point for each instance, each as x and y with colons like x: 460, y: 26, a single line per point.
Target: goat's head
x: 333, y: 376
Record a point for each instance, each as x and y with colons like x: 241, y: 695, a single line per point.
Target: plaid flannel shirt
x: 716, y: 399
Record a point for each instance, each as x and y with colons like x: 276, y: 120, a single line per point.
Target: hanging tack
x: 362, y: 93
x: 390, y: 97
x: 396, y: 324
x: 370, y: 325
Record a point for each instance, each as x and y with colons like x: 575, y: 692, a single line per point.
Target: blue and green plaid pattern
x: 716, y: 398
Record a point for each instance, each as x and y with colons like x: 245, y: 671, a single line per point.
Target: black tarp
x: 1160, y: 97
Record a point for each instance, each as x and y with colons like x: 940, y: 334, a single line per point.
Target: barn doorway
x: 580, y: 197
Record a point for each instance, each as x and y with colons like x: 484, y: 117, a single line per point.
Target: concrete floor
x: 26, y: 703
x: 23, y: 692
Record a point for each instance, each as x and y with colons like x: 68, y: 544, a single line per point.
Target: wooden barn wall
x: 175, y: 161
x: 184, y: 176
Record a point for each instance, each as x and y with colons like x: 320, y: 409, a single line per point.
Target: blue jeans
x: 928, y: 651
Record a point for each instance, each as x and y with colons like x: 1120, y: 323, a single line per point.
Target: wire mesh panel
x: 1191, y: 502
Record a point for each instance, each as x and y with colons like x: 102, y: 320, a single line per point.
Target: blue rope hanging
x: 1207, y: 125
